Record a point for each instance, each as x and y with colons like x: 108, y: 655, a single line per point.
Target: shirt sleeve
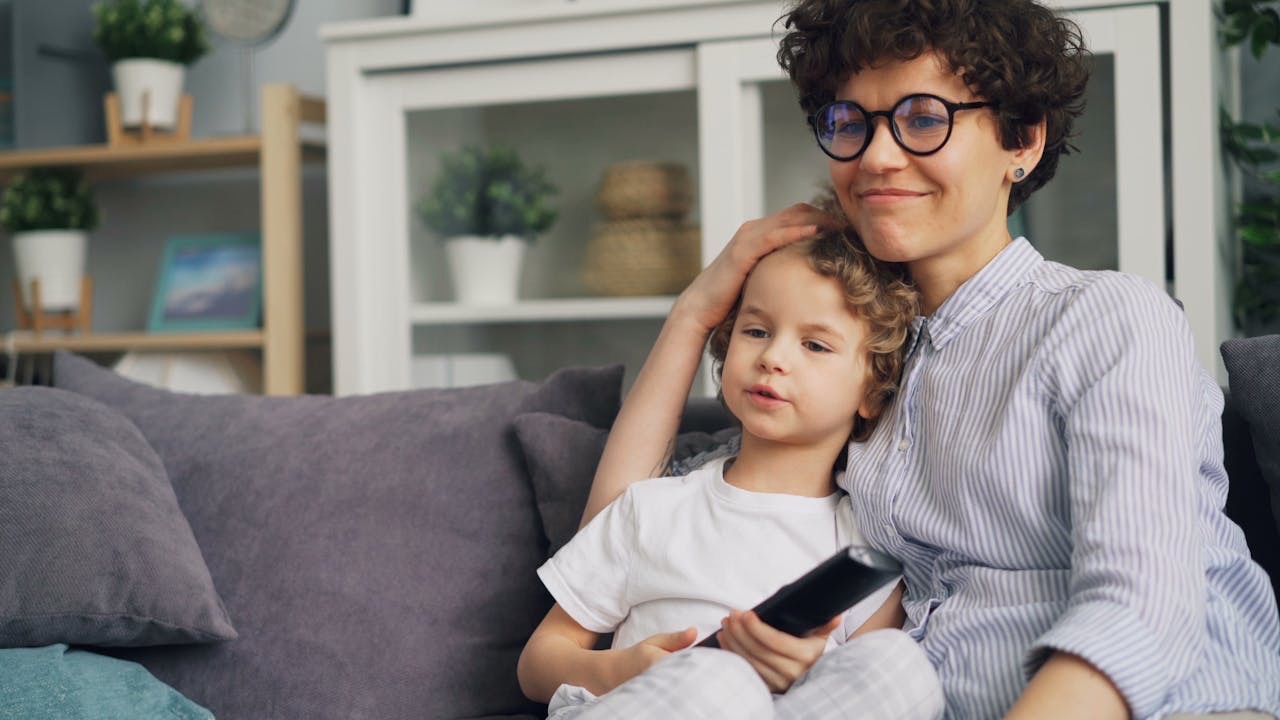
x: 1128, y: 386
x: 588, y: 576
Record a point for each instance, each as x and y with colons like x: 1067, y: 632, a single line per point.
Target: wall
x: 137, y: 215
x: 295, y: 56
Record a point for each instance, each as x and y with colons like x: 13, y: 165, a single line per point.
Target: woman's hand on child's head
x: 779, y: 658
x: 630, y: 662
x: 711, y: 295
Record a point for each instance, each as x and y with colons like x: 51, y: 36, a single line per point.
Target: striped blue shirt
x: 1050, y: 474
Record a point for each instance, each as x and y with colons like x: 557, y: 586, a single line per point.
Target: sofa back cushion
x: 377, y: 553
x: 1251, y: 439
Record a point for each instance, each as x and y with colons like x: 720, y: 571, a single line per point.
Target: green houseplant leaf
x: 1255, y: 148
x: 48, y: 199
x: 157, y: 29
x: 488, y: 192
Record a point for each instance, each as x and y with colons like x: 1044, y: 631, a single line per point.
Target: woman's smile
x: 889, y: 196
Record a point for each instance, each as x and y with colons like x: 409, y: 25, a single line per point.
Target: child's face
x: 796, y: 368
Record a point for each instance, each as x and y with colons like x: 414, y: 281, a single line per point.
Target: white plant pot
x: 485, y: 270
x: 159, y: 81
x: 56, y: 258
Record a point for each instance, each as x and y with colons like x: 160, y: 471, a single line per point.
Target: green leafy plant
x: 48, y: 199
x: 488, y: 192
x: 157, y: 29
x: 1255, y: 148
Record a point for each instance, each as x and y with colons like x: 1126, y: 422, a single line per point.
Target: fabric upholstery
x: 562, y: 454
x: 377, y: 552
x: 56, y: 683
x: 93, y: 547
x: 1253, y: 366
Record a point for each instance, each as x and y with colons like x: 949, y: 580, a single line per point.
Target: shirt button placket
x: 901, y: 462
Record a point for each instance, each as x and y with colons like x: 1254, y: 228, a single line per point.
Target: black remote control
x: 829, y: 589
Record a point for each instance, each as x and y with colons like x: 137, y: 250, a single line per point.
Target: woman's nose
x: 883, y: 153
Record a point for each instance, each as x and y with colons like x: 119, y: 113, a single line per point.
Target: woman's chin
x: 889, y: 249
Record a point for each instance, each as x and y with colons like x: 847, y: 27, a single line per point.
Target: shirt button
x: 904, y: 444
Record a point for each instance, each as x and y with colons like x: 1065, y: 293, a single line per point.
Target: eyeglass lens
x: 921, y: 125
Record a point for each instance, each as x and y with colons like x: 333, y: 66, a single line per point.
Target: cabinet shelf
x: 552, y: 310
x: 23, y: 342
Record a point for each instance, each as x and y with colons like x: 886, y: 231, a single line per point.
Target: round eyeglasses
x: 920, y: 124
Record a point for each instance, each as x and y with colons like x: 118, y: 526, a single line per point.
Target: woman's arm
x: 1137, y: 431
x: 643, y: 435
x: 1067, y: 686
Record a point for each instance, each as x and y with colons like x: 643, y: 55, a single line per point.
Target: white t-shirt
x: 679, y: 551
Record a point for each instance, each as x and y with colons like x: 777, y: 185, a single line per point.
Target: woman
x: 1050, y: 473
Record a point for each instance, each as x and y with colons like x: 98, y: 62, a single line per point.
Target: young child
x: 806, y: 360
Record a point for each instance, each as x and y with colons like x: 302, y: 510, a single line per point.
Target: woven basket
x: 642, y: 257
x: 644, y: 189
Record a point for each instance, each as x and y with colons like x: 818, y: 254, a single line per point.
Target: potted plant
x: 149, y: 44
x: 1255, y: 148
x: 487, y: 205
x: 50, y: 213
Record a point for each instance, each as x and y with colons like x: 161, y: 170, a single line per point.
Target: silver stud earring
x: 1019, y: 174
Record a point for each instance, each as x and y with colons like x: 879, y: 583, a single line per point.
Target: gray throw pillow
x: 562, y: 454
x: 377, y: 552
x: 1253, y: 366
x: 93, y: 547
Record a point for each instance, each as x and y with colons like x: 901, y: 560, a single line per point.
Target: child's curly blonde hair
x: 880, y: 293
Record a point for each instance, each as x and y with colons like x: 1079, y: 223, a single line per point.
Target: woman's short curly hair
x: 1018, y: 54
x: 879, y: 292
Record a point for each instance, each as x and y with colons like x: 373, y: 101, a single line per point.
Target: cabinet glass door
x: 574, y: 117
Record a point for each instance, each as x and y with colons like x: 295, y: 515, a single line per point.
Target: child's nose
x: 772, y: 358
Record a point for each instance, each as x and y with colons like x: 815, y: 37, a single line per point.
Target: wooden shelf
x: 277, y: 153
x: 101, y: 162
x: 23, y: 342
x: 552, y: 310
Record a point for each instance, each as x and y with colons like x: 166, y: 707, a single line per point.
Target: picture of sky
x: 213, y: 283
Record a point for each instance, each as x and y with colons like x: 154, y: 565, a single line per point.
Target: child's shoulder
x: 676, y: 486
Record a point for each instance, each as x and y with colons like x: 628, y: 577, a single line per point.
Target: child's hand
x: 779, y: 658
x: 711, y: 295
x: 630, y: 662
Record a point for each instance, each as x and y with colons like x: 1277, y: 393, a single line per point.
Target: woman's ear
x: 1024, y: 159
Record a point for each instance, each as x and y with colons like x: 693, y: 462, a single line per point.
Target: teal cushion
x: 56, y: 682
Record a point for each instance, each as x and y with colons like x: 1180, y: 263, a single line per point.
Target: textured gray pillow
x: 93, y: 547
x: 377, y: 552
x: 1253, y: 365
x: 562, y: 454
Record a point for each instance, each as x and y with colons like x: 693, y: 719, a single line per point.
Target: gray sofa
x: 316, y: 557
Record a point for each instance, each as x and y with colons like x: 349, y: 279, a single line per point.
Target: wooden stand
x: 39, y: 320
x: 118, y: 136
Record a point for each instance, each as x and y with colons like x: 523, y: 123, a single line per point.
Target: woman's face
x: 944, y: 214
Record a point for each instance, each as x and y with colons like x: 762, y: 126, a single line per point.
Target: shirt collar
x: 980, y: 293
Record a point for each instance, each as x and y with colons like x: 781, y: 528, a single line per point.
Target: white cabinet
x: 579, y: 86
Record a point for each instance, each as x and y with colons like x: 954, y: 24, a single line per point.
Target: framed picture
x: 208, y: 282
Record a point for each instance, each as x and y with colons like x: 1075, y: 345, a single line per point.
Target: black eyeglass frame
x: 870, y: 116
